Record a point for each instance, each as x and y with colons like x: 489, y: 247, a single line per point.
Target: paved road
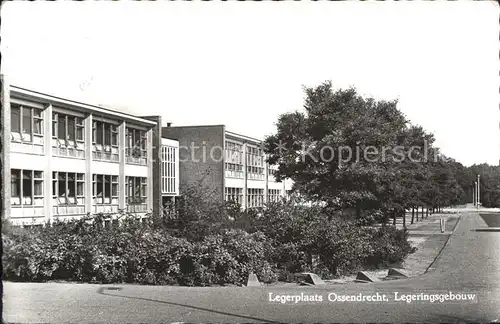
x: 469, y: 263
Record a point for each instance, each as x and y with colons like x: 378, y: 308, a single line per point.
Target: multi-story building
x: 232, y: 165
x: 63, y: 159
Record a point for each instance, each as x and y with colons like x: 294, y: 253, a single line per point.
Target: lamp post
x: 478, y: 190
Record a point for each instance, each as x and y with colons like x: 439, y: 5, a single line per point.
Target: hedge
x: 273, y: 243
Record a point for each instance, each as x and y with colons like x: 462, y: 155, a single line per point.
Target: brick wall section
x: 157, y: 197
x: 197, y: 167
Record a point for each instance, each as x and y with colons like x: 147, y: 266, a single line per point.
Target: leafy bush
x: 390, y: 245
x: 223, y: 247
x: 135, y: 252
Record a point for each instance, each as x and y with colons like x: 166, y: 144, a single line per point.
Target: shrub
x: 204, y: 249
x: 390, y: 245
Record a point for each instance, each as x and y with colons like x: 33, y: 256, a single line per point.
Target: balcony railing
x: 136, y: 156
x: 68, y: 148
x: 105, y: 153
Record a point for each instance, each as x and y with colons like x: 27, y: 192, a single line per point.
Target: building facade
x: 230, y: 164
x: 63, y: 159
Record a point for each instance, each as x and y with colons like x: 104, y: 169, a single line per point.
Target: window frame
x: 109, y: 183
x: 78, y: 200
x: 136, y: 185
x: 34, y: 119
x: 33, y: 197
x: 64, y: 140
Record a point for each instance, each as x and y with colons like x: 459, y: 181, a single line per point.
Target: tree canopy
x: 354, y: 152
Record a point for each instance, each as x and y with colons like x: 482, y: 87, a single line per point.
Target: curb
x: 430, y: 268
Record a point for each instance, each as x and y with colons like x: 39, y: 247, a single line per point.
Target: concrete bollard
x: 442, y: 224
x: 253, y: 281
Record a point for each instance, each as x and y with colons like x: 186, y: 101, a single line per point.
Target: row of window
x: 68, y: 133
x: 255, y: 197
x: 232, y: 146
x: 236, y: 171
x: 68, y: 188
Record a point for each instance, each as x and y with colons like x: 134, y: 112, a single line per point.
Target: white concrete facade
x: 248, y: 178
x: 67, y: 159
x: 170, y: 167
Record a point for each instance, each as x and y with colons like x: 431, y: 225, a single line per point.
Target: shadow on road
x: 102, y: 291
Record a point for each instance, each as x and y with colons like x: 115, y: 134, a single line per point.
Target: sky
x: 242, y: 64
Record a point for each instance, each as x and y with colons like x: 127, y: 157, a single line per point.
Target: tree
x: 351, y: 152
x: 320, y: 149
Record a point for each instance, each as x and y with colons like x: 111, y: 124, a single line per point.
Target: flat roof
x: 244, y: 137
x: 22, y: 93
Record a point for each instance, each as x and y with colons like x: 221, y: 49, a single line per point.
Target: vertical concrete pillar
x: 47, y: 172
x: 5, y: 147
x: 150, y: 188
x: 157, y: 204
x: 245, y: 177
x: 121, y: 178
x: 266, y: 179
x: 88, y: 164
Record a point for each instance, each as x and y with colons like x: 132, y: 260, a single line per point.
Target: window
x: 135, y: 150
x: 71, y: 188
x: 37, y: 122
x: 255, y: 197
x: 79, y: 129
x: 114, y: 186
x: 15, y: 119
x: 71, y: 129
x: 25, y: 123
x: 274, y: 195
x: 168, y: 172
x: 105, y: 140
x: 234, y: 194
x: 67, y: 134
x: 61, y: 127
x: 38, y: 183
x: 107, y: 133
x: 255, y: 163
x: 143, y: 188
x: 114, y: 135
x: 80, y: 185
x: 233, y: 159
x: 15, y: 187
x: 68, y: 188
x: 26, y: 187
x: 54, y: 125
x: 136, y: 190
x: 105, y: 189
x: 98, y: 133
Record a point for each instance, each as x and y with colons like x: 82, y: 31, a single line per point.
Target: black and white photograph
x: 250, y: 161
